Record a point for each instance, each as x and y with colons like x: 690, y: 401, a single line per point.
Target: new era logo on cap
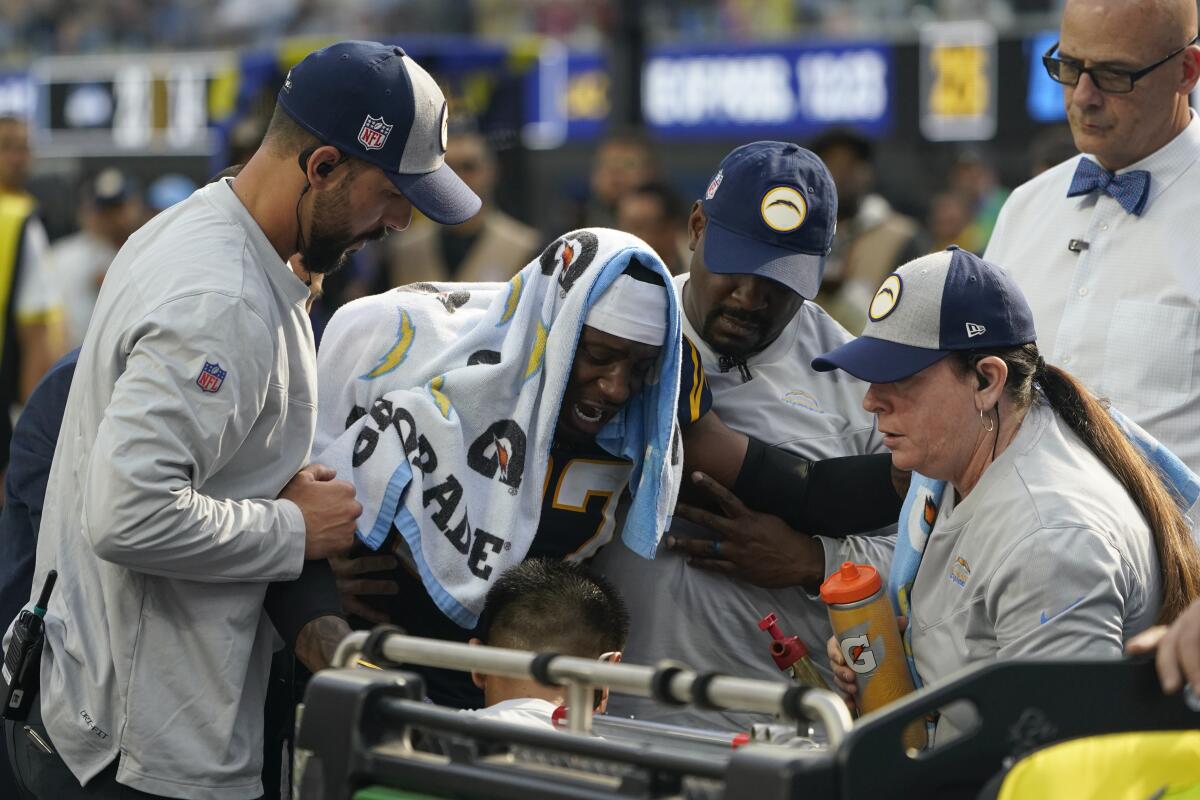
x: 930, y: 307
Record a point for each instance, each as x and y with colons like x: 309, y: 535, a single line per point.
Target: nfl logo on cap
x: 374, y: 133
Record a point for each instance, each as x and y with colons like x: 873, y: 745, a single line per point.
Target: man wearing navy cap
x: 759, y: 238
x: 180, y: 489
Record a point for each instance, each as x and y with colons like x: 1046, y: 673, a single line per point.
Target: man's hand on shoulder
x: 329, y: 508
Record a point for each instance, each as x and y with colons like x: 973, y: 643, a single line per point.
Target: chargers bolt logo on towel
x: 439, y: 397
x: 886, y: 298
x: 374, y: 133
x: 514, y: 296
x: 395, y: 355
x: 538, y: 354
x: 571, y: 255
x: 211, y: 377
x: 784, y: 209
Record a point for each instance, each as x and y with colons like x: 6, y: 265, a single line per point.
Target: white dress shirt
x: 1122, y: 315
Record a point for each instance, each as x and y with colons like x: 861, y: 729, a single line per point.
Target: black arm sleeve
x: 293, y: 604
x: 834, y: 497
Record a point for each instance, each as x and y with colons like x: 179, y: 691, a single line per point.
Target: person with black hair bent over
x: 544, y: 605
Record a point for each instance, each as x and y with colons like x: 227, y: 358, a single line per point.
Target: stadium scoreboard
x: 132, y: 105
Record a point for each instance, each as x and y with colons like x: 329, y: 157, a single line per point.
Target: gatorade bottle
x: 869, y: 639
x: 791, y: 655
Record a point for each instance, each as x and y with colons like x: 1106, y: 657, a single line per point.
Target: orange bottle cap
x: 851, y: 583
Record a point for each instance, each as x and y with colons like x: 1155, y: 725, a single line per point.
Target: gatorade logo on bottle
x: 857, y: 652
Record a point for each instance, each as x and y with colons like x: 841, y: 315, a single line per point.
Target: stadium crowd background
x: 63, y: 62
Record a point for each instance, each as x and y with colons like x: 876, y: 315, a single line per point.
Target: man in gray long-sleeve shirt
x: 176, y: 492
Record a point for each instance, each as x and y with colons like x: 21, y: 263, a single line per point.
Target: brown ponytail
x: 1178, y: 555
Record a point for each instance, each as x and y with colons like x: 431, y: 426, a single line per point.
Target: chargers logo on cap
x: 374, y: 133
x: 784, y: 209
x: 886, y: 298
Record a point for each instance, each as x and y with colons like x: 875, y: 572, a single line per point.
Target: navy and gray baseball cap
x: 373, y: 102
x: 772, y: 211
x: 929, y: 308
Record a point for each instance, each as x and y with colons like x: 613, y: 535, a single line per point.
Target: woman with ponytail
x: 1054, y: 536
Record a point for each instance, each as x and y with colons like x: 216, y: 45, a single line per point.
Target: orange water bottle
x: 868, y: 637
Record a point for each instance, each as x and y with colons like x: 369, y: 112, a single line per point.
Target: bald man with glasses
x: 1106, y: 245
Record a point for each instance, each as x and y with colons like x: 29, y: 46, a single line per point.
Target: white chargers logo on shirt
x: 960, y: 572
x: 802, y: 399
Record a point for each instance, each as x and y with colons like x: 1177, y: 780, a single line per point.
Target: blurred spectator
x: 872, y: 238
x: 623, y: 161
x: 975, y: 179
x: 654, y: 213
x: 949, y: 216
x: 1050, y: 148
x: 491, y: 246
x: 30, y: 311
x: 168, y: 190
x: 110, y: 210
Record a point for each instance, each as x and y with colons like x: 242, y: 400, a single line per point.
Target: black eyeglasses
x: 1107, y: 79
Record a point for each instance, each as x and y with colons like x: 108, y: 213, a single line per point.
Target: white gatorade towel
x: 439, y: 403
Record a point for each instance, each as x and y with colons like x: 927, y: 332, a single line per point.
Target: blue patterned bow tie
x: 1131, y: 189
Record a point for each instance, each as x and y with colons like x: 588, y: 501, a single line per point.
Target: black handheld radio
x: 21, y: 674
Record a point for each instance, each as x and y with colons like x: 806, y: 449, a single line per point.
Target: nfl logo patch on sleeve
x: 211, y: 376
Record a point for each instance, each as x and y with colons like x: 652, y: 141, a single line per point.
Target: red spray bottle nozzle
x: 786, y: 650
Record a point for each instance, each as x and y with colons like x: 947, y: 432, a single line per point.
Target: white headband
x: 632, y: 309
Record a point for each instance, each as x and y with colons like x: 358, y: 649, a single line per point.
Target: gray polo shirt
x: 191, y: 407
x: 1047, y: 557
x: 710, y: 621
